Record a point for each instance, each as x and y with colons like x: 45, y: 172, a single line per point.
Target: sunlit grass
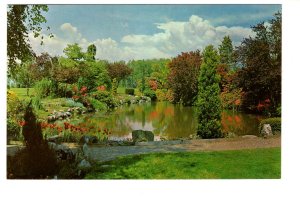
x: 22, y: 92
x: 241, y: 164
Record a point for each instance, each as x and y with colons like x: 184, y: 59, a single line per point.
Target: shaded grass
x: 238, y: 164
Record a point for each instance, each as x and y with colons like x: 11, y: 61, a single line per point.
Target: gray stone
x: 266, y: 130
x: 133, y: 101
x: 63, y: 153
x: 142, y: 136
x: 88, y: 139
x: 141, y: 101
x: 68, y: 114
x: 84, y: 164
x: 54, y: 138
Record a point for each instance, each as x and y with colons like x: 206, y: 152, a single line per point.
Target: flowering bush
x: 153, y: 84
x: 101, y: 88
x: 73, y: 133
x: 105, y: 97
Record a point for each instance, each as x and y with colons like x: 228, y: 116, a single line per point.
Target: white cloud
x: 175, y: 37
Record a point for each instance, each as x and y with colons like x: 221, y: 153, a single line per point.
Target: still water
x: 168, y: 121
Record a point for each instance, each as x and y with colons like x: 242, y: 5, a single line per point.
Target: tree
x: 208, y: 100
x: 20, y: 20
x: 91, y: 53
x: 183, y: 77
x: 260, y: 75
x: 74, y: 52
x: 118, y: 70
x: 226, y: 52
x: 42, y: 67
x: 23, y: 76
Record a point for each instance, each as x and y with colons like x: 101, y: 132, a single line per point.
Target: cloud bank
x: 173, y: 38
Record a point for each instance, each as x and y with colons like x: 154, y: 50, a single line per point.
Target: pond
x: 168, y: 121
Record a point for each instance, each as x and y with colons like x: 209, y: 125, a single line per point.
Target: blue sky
x: 156, y: 30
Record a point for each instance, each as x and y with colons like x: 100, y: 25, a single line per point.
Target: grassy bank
x: 241, y: 164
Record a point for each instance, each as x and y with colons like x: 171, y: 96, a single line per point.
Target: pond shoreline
x: 101, y: 153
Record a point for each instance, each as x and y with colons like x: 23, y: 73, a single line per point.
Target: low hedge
x: 275, y: 124
x: 129, y: 91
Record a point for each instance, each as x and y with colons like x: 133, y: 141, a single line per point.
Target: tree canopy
x: 21, y: 19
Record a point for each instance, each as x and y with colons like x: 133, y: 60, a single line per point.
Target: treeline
x: 250, y: 74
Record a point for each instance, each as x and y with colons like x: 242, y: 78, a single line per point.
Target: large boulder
x: 142, y: 136
x: 266, y: 130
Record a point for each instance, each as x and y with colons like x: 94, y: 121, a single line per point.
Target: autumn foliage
x: 183, y: 77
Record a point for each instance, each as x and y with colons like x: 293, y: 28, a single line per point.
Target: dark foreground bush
x: 37, y: 159
x: 129, y: 91
x: 275, y: 124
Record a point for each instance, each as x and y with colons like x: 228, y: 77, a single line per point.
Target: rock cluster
x: 59, y: 115
x: 135, y: 100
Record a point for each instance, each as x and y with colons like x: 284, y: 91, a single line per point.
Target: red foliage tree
x: 183, y: 77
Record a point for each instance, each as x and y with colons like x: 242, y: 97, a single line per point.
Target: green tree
x: 208, y: 101
x: 21, y: 19
x: 74, y: 52
x: 226, y: 52
x: 91, y: 53
x: 23, y: 76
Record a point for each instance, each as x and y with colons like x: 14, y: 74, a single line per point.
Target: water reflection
x: 168, y: 121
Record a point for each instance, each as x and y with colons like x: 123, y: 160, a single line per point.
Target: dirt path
x: 101, y: 154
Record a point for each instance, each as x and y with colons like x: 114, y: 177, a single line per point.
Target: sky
x: 126, y: 32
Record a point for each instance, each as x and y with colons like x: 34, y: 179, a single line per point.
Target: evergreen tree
x: 91, y: 53
x: 208, y: 101
x: 226, y: 52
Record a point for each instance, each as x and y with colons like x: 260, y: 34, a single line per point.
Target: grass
x: 49, y: 104
x: 240, y: 164
x: 22, y: 92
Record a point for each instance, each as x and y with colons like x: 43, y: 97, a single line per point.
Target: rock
x: 266, y: 130
x: 51, y: 118
x: 249, y: 136
x: 63, y: 153
x: 88, y: 139
x: 54, y: 138
x: 141, y: 101
x: 142, y: 136
x: 85, y: 150
x: 133, y: 101
x: 68, y: 114
x: 84, y: 164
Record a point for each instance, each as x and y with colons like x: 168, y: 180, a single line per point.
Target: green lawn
x: 22, y: 92
x: 241, y: 164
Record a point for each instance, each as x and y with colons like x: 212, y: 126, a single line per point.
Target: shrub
x: 37, y: 103
x: 97, y: 104
x: 275, y: 124
x: 13, y: 129
x: 36, y: 160
x: 105, y: 97
x: 150, y: 93
x: 45, y: 87
x: 129, y: 91
x: 71, y: 103
x: 161, y: 94
x: 64, y: 90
